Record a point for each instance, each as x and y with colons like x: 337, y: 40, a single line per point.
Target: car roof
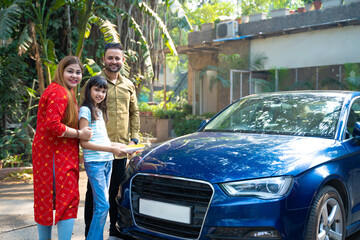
x: 338, y: 93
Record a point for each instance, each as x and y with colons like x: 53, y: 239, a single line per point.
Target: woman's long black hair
x: 88, y: 102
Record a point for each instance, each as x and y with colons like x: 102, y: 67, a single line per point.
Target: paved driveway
x: 16, y: 213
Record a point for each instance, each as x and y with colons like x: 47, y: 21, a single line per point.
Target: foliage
x: 209, y: 12
x: 14, y: 89
x: 9, y: 160
x: 8, y: 19
x: 174, y: 109
x: 16, y: 142
x: 249, y: 7
x: 187, y: 125
x: 208, y: 115
x: 179, y: 110
x: 291, y: 4
x: 144, y: 107
x: 168, y: 113
x: 330, y: 83
x: 307, y: 1
x: 89, y: 13
x: 177, y: 63
x: 352, y: 73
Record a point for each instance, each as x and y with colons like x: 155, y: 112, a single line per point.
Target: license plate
x: 166, y: 211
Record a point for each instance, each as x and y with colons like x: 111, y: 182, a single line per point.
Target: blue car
x: 280, y: 165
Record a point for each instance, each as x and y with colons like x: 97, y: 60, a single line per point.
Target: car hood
x: 221, y: 157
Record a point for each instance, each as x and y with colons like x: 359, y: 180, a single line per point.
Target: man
x: 124, y: 121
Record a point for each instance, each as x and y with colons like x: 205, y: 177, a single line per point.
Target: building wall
x: 313, y: 48
x: 232, y: 47
x: 198, y: 61
x: 312, y: 45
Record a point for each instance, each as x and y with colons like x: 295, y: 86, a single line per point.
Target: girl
x: 98, y: 152
x: 55, y: 152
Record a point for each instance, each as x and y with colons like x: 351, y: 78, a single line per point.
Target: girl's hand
x: 85, y: 133
x: 117, y: 149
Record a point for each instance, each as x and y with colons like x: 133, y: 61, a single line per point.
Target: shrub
x: 188, y: 124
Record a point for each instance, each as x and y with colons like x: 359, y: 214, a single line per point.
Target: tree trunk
x: 36, y: 52
x: 69, y: 30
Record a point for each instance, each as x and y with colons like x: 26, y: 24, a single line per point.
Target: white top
x: 100, y: 137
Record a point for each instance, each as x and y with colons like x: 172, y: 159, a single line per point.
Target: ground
x: 16, y: 211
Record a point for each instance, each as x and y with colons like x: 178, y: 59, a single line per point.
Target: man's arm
x: 134, y: 118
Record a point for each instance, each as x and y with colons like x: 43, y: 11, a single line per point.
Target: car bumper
x: 229, y: 218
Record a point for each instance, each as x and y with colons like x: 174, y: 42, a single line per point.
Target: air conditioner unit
x: 227, y: 29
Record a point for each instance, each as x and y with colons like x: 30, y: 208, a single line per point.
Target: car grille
x: 186, y: 192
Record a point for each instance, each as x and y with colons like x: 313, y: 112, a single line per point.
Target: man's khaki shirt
x: 123, y: 112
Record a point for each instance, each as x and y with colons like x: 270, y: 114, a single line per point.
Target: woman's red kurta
x: 49, y: 147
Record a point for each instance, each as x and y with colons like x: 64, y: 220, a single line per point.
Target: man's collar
x: 103, y: 73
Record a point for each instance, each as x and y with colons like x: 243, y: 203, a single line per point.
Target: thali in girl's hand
x: 134, y: 148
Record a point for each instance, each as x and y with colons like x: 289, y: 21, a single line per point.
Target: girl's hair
x: 71, y: 112
x: 100, y: 82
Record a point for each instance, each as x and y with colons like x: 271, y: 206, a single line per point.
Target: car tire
x: 327, y: 216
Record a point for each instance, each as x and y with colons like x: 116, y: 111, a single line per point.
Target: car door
x: 353, y: 160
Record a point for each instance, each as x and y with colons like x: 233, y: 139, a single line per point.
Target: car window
x: 303, y: 115
x: 354, y: 116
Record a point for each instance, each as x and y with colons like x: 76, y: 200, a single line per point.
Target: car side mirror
x: 203, y: 123
x: 356, y: 131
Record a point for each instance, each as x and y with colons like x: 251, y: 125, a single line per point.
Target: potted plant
x: 257, y: 16
x: 308, y: 5
x: 145, y: 109
x: 244, y: 18
x: 301, y: 10
x: 330, y: 3
x: 317, y: 4
x: 280, y: 12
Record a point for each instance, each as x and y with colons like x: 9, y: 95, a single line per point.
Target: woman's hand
x: 85, y: 133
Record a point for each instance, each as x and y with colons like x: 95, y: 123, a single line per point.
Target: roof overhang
x: 213, y: 46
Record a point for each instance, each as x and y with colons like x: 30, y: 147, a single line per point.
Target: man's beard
x: 108, y: 68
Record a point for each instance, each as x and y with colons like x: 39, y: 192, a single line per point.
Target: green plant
x: 208, y: 115
x: 188, y: 124
x: 352, y: 73
x: 168, y: 113
x: 144, y: 107
x: 10, y: 160
x: 307, y: 1
x: 17, y: 142
x: 14, y: 79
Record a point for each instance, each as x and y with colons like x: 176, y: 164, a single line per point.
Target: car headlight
x: 265, y: 188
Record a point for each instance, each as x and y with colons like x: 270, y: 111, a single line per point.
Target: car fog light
x: 233, y: 233
x: 263, y: 234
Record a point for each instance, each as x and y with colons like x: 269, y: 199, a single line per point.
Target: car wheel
x: 327, y: 217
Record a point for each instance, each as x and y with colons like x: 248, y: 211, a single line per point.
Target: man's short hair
x: 113, y: 46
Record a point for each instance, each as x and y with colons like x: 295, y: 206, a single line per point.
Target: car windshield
x: 290, y: 114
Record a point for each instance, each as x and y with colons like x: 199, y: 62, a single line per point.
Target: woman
x: 55, y: 152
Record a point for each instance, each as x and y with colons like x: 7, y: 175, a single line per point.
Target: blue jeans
x: 65, y: 228
x: 99, y: 177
